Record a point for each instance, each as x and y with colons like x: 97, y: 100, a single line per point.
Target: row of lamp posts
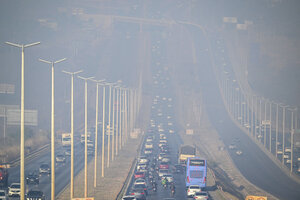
x: 127, y: 102
x: 256, y: 113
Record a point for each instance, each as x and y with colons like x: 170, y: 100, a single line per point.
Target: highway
x: 62, y: 173
x: 253, y: 164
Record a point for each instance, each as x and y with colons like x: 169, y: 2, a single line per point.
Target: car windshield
x: 35, y: 193
x: 2, y: 193
x: 15, y: 186
x: 140, y: 186
x: 128, y: 198
x: 194, y: 187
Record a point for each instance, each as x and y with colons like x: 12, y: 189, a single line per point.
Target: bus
x: 196, y: 172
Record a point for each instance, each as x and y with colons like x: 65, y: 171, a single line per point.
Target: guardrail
x: 128, y: 180
x: 30, y: 156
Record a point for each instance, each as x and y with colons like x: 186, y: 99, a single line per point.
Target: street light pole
x: 22, y: 140
x: 96, y: 132
x: 52, y: 126
x: 117, y: 121
x: 113, y: 127
x: 103, y: 131
x: 72, y: 131
x: 85, y: 133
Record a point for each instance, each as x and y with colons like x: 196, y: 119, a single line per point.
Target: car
x: 165, y: 159
x: 44, y: 169
x: 141, y: 167
x: 60, y: 158
x: 140, y: 181
x: 148, y: 151
x: 90, y: 144
x: 139, y: 175
x: 161, y: 155
x: 149, y: 139
x: 90, y: 151
x: 138, y: 194
x: 143, y: 159
x: 2, y: 195
x: 178, y: 169
x: 232, y: 146
x: 163, y: 165
x: 129, y: 197
x: 169, y: 177
x: 239, y: 152
x: 148, y: 145
x: 68, y: 152
x: 192, y: 189
x: 200, y: 195
x: 33, y: 178
x: 14, y: 189
x: 35, y: 195
x: 162, y: 172
x: 141, y: 186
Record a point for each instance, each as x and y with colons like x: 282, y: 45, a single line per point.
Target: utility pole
x: 22, y: 140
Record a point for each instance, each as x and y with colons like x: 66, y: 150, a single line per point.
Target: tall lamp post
x: 52, y: 126
x: 72, y: 130
x: 22, y: 140
x: 96, y: 131
x: 85, y: 133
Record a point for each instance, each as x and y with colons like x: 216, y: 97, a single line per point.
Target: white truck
x: 66, y: 139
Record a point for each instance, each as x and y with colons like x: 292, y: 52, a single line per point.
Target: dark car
x: 33, y: 178
x: 141, y: 186
x: 44, y: 169
x: 139, y: 194
x: 139, y: 175
x: 35, y: 195
x: 178, y: 169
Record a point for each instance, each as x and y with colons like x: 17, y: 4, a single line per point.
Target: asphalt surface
x: 62, y: 171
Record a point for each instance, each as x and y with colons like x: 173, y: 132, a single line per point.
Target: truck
x: 66, y: 139
x: 3, y: 175
x: 186, y: 151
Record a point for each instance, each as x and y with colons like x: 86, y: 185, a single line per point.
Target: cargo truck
x: 66, y: 139
x: 186, y: 151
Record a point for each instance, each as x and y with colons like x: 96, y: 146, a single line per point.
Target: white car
x: 161, y: 155
x: 2, y: 195
x: 239, y: 152
x: 192, y: 189
x: 129, y: 197
x: 165, y: 159
x: 149, y: 139
x: 148, y: 145
x: 140, y: 181
x: 14, y: 189
x: 143, y: 160
x: 200, y: 195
